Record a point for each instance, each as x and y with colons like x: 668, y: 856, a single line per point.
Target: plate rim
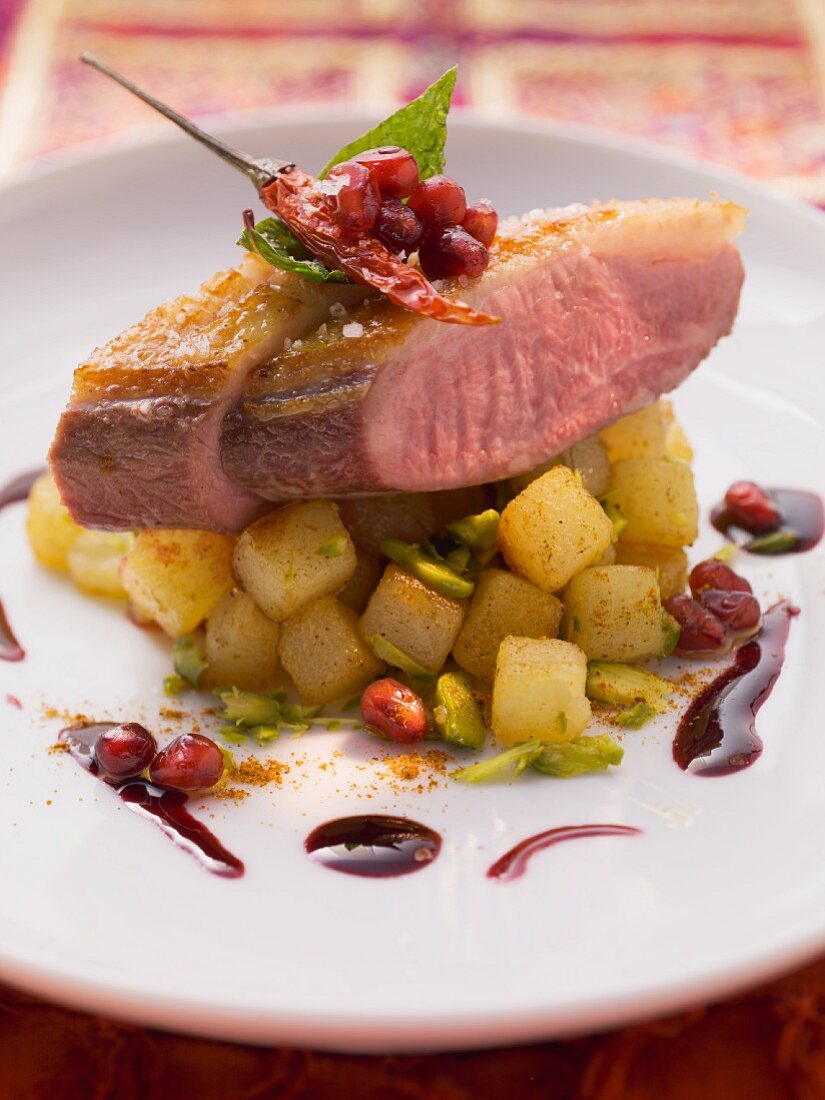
x: 485, y: 1028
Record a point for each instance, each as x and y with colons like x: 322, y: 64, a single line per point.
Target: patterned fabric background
x: 741, y: 82
x: 738, y: 81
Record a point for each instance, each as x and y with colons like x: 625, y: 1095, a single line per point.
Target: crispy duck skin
x: 138, y: 445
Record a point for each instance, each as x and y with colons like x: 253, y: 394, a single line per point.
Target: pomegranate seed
x: 355, y: 202
x: 750, y: 506
x: 701, y: 631
x: 191, y: 762
x: 739, y: 611
x: 439, y: 201
x: 715, y: 574
x: 451, y: 252
x: 122, y: 752
x: 394, y: 169
x: 393, y: 710
x: 398, y: 227
x: 481, y: 222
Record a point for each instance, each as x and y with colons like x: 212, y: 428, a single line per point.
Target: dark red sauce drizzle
x: 166, y: 808
x: 513, y: 864
x: 717, y: 734
x: 10, y: 648
x: 12, y: 493
x: 18, y: 488
x: 373, y: 845
x: 802, y: 514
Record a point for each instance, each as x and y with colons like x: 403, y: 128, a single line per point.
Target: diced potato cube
x: 642, y: 434
x: 503, y: 604
x: 361, y: 585
x: 419, y: 621
x: 293, y: 556
x: 51, y: 529
x: 324, y: 654
x: 588, y: 458
x: 657, y: 497
x: 669, y: 563
x: 95, y: 559
x: 241, y: 644
x: 553, y: 529
x: 614, y: 613
x: 406, y: 516
x: 538, y: 691
x: 677, y: 444
x: 175, y: 578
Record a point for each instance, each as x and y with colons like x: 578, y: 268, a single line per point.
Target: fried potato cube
x: 657, y: 497
x: 175, y: 578
x: 419, y: 621
x: 241, y: 644
x: 642, y: 434
x: 614, y: 613
x: 361, y: 585
x: 293, y: 556
x: 503, y: 604
x: 51, y: 529
x: 553, y: 529
x: 669, y: 563
x: 324, y: 654
x: 538, y: 691
x: 94, y: 562
x: 588, y: 458
x: 677, y: 444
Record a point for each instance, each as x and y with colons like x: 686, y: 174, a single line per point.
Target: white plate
x: 97, y: 908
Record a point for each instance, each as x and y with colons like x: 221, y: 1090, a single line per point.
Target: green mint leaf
x: 420, y: 127
x: 188, y: 659
x: 273, y: 242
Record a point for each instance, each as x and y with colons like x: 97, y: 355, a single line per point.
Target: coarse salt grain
x: 338, y: 310
x: 353, y: 329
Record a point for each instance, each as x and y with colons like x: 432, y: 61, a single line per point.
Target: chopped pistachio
x: 614, y: 514
x: 671, y: 632
x: 263, y: 734
x: 456, y: 713
x: 332, y: 548
x: 486, y: 769
x: 626, y: 685
x: 777, y: 542
x: 726, y: 553
x: 246, y: 708
x: 636, y: 717
x: 478, y: 533
x: 233, y: 734
x: 188, y: 659
x: 576, y: 757
x: 388, y: 651
x: 299, y: 712
x: 436, y: 574
x: 174, y: 685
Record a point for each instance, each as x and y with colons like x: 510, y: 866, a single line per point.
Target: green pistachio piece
x: 625, y: 685
x: 456, y: 713
x: 436, y: 574
x: 388, y: 651
x: 576, y: 757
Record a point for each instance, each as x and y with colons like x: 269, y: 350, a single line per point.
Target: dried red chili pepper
x: 293, y: 195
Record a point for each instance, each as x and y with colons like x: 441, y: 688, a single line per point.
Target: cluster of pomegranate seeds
x: 722, y: 607
x: 364, y: 196
x: 189, y: 763
x: 750, y: 507
x: 123, y: 752
x: 392, y: 710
